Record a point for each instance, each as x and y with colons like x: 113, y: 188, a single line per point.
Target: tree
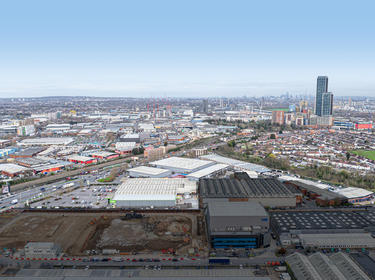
x: 281, y: 251
x: 347, y: 156
x: 273, y: 136
x: 138, y: 151
x: 231, y: 143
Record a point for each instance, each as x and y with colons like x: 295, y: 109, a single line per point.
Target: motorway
x: 23, y: 196
x: 64, y: 174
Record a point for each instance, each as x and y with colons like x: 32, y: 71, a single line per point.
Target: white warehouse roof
x: 307, y: 182
x: 146, y: 170
x: 146, y: 126
x: 243, y: 165
x: 80, y: 158
x: 102, y: 154
x: 183, y: 164
x: 352, y: 192
x: 48, y: 141
x: 125, y: 146
x: 130, y: 135
x: 330, y: 240
x: 207, y: 171
x: 349, y: 192
x: 153, y: 188
x: 12, y: 168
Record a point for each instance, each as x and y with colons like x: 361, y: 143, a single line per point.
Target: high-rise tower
x: 324, y: 99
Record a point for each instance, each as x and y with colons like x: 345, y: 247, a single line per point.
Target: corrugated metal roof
x: 142, y: 188
x: 243, y: 186
x: 207, y: 171
x: 243, y: 165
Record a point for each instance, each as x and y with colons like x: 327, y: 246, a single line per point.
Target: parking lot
x: 94, y: 196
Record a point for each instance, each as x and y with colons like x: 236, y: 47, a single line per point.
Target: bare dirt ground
x: 152, y: 233
x: 78, y: 232
x: 65, y: 230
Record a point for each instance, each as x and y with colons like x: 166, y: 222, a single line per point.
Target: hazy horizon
x: 185, y: 49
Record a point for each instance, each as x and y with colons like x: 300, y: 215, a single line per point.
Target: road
x: 79, y: 262
x: 64, y: 174
x: 29, y: 194
x: 53, y: 182
x: 70, y: 173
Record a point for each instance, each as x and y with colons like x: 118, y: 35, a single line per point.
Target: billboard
x: 5, y: 189
x: 360, y: 126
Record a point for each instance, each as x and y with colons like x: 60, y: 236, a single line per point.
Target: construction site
x: 85, y: 233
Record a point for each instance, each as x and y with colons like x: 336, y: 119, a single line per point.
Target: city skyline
x: 164, y: 49
x: 187, y: 139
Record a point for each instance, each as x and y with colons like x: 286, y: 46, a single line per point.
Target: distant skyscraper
x: 303, y: 106
x: 205, y: 106
x: 324, y: 99
x: 278, y: 117
x: 327, y: 104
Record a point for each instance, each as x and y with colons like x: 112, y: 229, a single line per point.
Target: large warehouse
x: 81, y: 159
x: 325, y: 194
x: 321, y: 267
x: 240, y: 224
x: 337, y: 240
x: 47, y: 141
x: 207, y: 172
x: 182, y: 165
x: 130, y: 138
x: 152, y: 192
x: 356, y: 195
x: 317, y: 220
x: 330, y: 228
x: 12, y: 170
x: 268, y: 192
x: 237, y: 164
x: 148, y: 172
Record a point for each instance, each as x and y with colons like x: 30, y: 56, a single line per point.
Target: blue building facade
x: 248, y: 242
x: 236, y: 224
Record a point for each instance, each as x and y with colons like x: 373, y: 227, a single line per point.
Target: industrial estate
x: 167, y: 185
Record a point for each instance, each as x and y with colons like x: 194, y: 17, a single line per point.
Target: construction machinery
x: 131, y: 215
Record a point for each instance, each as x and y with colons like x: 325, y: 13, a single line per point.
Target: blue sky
x: 185, y: 48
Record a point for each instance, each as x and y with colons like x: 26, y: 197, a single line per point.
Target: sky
x: 185, y: 48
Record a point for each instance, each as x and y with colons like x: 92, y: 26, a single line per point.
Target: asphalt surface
x: 94, y: 196
x: 98, y: 262
x: 64, y: 174
x: 51, y: 190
